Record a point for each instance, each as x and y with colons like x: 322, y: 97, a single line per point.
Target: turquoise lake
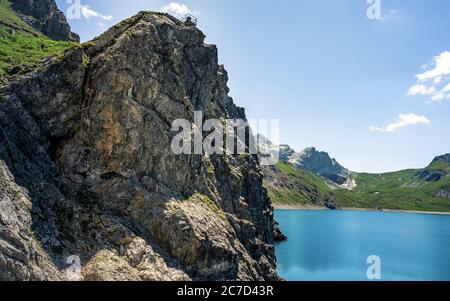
x: 335, y: 245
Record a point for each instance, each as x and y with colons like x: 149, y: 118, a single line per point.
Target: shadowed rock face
x: 45, y: 16
x: 87, y: 164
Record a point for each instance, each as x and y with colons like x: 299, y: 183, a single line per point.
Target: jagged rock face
x: 89, y: 136
x: 20, y: 253
x: 286, y: 152
x: 45, y: 16
x: 319, y: 163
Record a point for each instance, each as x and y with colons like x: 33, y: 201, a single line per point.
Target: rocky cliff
x: 86, y: 167
x: 317, y: 162
x: 45, y: 16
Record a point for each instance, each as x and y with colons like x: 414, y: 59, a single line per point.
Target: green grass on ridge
x: 20, y: 45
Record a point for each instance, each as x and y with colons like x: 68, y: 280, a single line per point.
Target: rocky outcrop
x: 330, y: 204
x: 278, y: 235
x: 87, y: 166
x: 319, y: 163
x: 44, y: 16
x: 431, y: 175
x: 443, y: 193
x: 438, y: 169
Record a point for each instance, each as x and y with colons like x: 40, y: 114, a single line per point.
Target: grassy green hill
x: 401, y: 190
x: 21, y: 46
x: 397, y: 190
x: 288, y: 185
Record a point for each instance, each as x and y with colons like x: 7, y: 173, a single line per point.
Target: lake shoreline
x: 307, y: 207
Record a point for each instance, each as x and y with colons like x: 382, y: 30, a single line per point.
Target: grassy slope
x: 296, y: 187
x: 400, y: 190
x: 25, y: 46
x: 9, y: 18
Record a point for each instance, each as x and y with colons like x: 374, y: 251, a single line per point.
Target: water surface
x: 335, y: 245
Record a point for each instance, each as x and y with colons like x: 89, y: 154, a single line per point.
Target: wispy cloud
x: 178, y: 10
x: 434, y: 83
x: 389, y: 16
x: 88, y: 13
x: 403, y: 120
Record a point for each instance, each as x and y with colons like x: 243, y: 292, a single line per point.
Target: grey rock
x: 330, y: 204
x: 21, y: 255
x: 443, y: 193
x: 431, y: 175
x: 319, y: 163
x: 88, y: 137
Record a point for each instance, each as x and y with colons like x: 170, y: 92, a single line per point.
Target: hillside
x: 22, y: 47
x: 288, y: 185
x: 425, y: 189
x: 45, y: 17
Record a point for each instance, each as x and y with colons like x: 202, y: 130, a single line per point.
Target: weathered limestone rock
x: 89, y: 138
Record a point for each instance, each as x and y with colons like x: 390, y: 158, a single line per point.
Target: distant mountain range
x: 311, y: 160
x: 312, y: 178
x: 317, y: 162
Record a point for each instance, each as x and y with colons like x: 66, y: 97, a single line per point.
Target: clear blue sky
x: 334, y: 78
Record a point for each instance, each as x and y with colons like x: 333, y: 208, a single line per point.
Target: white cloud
x: 404, y: 120
x: 88, y: 13
x: 178, y: 10
x: 434, y: 83
x: 441, y: 65
x: 446, y: 88
x: 420, y: 89
x: 389, y: 16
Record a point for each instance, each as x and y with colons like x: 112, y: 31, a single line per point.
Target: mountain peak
x: 310, y: 159
x: 310, y: 149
